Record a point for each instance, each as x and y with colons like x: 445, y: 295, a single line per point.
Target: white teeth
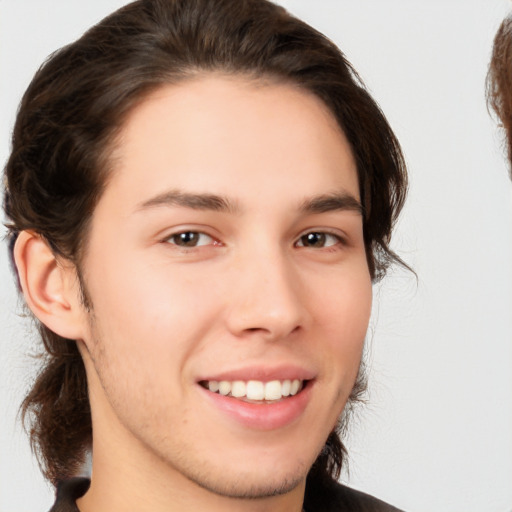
x: 238, y: 388
x: 295, y: 387
x: 213, y: 386
x: 224, y: 387
x: 273, y: 390
x: 255, y: 389
x: 287, y: 385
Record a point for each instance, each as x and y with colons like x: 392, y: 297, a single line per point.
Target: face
x: 229, y: 286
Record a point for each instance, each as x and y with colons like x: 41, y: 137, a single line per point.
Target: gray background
x: 437, y: 431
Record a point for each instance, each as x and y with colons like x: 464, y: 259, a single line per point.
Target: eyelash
x: 196, y: 234
x: 338, y: 239
x: 191, y: 236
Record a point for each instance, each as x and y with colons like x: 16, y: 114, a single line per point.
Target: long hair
x: 499, y: 81
x: 74, y: 108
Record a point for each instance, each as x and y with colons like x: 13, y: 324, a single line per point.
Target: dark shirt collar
x: 68, y: 492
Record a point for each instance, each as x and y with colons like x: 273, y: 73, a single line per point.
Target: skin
x: 254, y: 296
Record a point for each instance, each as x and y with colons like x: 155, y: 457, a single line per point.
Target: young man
x: 200, y: 194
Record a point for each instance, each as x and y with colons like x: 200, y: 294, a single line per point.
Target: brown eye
x: 317, y: 240
x: 190, y: 239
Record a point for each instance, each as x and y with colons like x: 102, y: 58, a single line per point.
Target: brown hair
x: 499, y: 81
x: 75, y: 105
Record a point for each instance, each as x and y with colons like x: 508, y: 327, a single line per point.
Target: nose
x: 267, y: 298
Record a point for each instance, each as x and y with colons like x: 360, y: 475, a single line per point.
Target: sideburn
x: 85, y: 298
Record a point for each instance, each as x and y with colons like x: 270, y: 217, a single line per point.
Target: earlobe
x: 50, y: 288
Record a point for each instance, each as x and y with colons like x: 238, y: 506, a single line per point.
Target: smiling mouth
x: 255, y: 390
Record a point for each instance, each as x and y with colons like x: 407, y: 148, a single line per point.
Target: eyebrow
x: 194, y: 201
x: 197, y: 201
x: 332, y: 202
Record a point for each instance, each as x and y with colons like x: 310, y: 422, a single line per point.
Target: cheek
x: 345, y: 298
x: 154, y: 311
x: 343, y: 313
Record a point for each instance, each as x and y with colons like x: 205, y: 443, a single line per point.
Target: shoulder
x: 68, y: 492
x: 335, y: 497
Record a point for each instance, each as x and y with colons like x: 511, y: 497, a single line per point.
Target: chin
x: 247, y: 481
x: 252, y: 486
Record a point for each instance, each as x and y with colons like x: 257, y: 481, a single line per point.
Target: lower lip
x: 264, y: 416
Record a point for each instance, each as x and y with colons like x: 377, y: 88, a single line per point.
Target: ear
x: 50, y: 286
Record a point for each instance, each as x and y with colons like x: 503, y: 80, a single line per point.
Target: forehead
x: 232, y: 136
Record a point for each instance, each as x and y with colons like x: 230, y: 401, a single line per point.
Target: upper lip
x: 262, y: 373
